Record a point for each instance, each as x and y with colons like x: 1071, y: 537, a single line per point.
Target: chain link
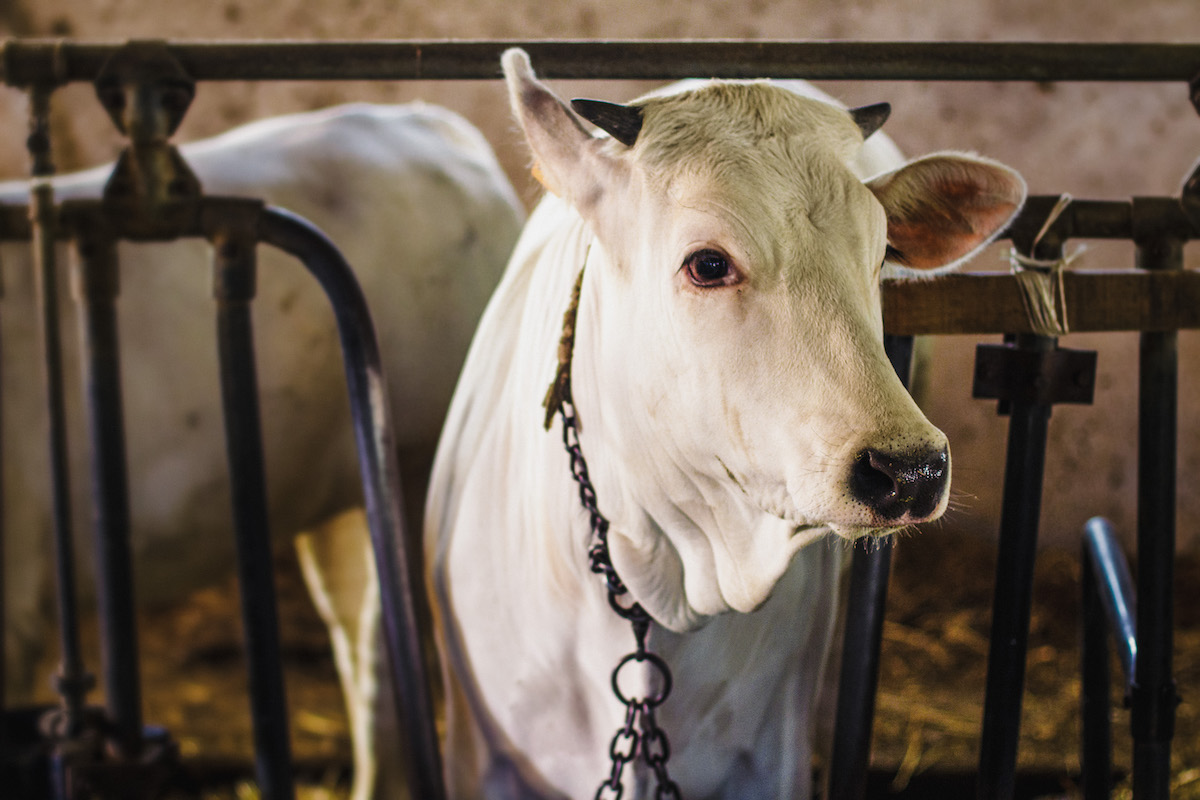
x: 640, y: 735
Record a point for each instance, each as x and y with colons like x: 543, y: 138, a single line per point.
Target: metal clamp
x: 146, y: 92
x: 1013, y: 374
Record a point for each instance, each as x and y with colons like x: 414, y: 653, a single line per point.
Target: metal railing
x: 31, y: 62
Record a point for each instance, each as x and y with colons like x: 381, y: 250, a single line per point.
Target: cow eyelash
x: 894, y: 255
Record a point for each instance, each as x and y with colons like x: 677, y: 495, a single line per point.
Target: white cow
x: 735, y: 407
x: 416, y: 200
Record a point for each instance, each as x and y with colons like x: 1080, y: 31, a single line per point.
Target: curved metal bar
x: 1115, y: 588
x: 381, y: 481
x: 1095, y: 704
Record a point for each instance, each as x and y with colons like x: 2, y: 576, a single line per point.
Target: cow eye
x: 710, y: 267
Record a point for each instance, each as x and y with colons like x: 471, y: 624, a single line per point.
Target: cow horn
x: 623, y: 123
x: 871, y: 118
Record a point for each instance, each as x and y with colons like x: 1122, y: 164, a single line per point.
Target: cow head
x: 735, y: 399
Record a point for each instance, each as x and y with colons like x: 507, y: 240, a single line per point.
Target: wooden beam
x: 988, y: 303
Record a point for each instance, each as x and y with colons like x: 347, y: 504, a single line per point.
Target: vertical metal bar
x: 1095, y: 751
x: 233, y: 287
x: 859, y: 679
x: 899, y: 351
x: 1013, y: 594
x: 97, y: 286
x: 73, y: 681
x: 1154, y: 697
x: 3, y: 562
x: 381, y: 482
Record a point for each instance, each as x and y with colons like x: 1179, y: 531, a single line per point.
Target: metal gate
x: 147, y: 86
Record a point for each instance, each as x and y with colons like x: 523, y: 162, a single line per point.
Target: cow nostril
x: 871, y: 484
x: 898, y: 486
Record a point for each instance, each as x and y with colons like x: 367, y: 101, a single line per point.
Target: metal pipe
x: 1108, y: 607
x: 72, y: 681
x: 1095, y: 745
x: 865, y: 611
x: 1012, y: 597
x: 4, y: 729
x: 1114, y: 589
x: 1013, y: 593
x: 394, y: 559
x: 1154, y: 696
x: 233, y: 287
x: 26, y: 62
x: 97, y: 281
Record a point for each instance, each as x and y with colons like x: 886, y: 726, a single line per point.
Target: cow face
x: 730, y: 374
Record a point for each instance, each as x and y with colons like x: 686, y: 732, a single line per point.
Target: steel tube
x: 867, y: 606
x: 1154, y: 697
x: 56, y: 61
x: 96, y: 291
x: 233, y: 279
x: 72, y: 682
x: 3, y: 567
x: 1114, y: 589
x: 381, y: 482
x: 1095, y: 745
x: 1013, y: 594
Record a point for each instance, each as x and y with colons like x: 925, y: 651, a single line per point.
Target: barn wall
x: 1095, y: 141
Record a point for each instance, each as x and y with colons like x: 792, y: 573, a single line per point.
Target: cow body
x: 543, y: 606
x: 735, y: 408
x: 421, y: 210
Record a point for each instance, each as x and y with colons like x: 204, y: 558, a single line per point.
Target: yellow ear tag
x: 540, y: 177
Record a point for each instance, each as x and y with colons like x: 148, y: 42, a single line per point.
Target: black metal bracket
x: 1009, y: 373
x: 146, y: 92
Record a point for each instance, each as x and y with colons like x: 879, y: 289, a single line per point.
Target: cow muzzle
x: 901, y: 488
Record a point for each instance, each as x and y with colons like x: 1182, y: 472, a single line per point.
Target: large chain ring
x: 660, y: 666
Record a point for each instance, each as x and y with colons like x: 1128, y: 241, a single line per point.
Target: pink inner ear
x: 934, y: 240
x: 924, y: 247
x: 940, y: 211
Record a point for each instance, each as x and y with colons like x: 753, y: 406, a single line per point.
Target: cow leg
x: 339, y: 571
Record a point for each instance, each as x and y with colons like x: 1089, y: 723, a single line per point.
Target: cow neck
x: 640, y: 736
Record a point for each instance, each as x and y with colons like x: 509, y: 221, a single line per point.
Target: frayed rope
x: 1041, y: 280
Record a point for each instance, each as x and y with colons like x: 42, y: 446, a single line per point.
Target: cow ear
x: 567, y: 158
x: 943, y: 208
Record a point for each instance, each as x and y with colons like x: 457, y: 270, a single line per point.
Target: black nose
x: 900, y: 487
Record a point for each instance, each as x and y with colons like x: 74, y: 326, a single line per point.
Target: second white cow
x: 421, y: 210
x: 735, y: 408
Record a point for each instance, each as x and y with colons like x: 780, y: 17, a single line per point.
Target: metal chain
x: 640, y: 735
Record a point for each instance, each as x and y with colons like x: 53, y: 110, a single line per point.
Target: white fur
x: 719, y: 426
